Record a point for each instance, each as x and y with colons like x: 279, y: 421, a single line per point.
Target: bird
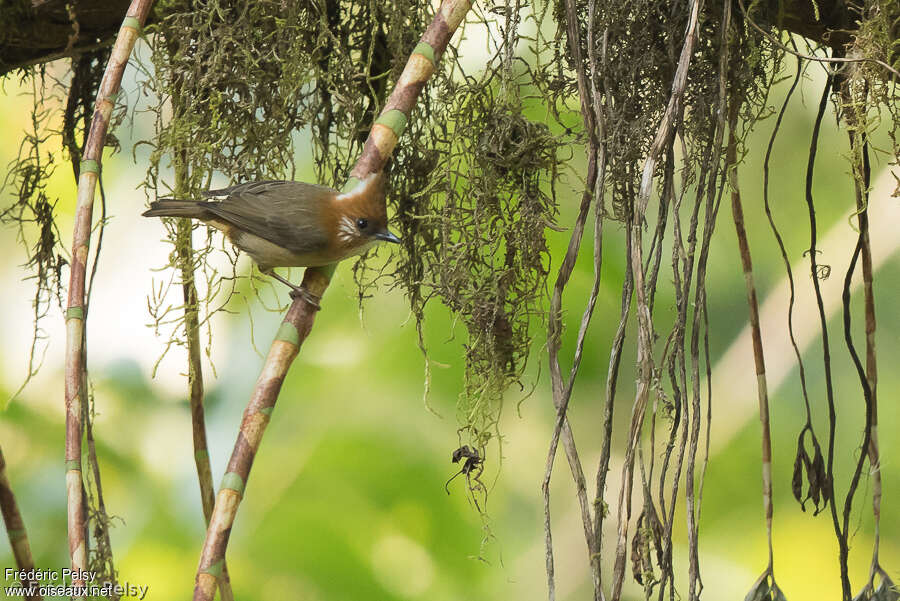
x: 282, y: 223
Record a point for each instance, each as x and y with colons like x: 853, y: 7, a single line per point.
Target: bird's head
x: 362, y: 216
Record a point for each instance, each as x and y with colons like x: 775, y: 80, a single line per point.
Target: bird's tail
x: 177, y: 208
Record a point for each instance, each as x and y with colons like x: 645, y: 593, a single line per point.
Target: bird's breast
x: 268, y: 254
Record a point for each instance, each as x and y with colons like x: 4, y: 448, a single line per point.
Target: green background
x: 346, y: 499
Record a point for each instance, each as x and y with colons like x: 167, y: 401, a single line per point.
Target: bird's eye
x: 362, y: 223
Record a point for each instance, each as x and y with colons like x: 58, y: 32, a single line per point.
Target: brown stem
x: 756, y: 334
x: 195, y: 366
x: 76, y: 312
x: 562, y: 392
x: 15, y: 530
x: 841, y: 535
x: 299, y: 319
x: 859, y: 152
x: 645, y: 324
x: 293, y: 331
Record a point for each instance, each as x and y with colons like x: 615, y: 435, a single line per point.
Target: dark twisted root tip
x: 309, y: 297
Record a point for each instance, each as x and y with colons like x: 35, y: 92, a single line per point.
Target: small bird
x: 291, y: 224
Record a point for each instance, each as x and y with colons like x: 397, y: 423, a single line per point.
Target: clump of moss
x: 240, y: 86
x: 473, y: 209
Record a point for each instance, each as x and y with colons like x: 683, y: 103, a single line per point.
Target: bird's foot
x: 298, y: 292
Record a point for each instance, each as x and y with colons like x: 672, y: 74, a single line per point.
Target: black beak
x: 387, y: 237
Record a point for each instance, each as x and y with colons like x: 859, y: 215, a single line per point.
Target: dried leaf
x: 887, y: 590
x: 818, y: 481
x: 637, y: 544
x: 778, y: 595
x: 760, y: 589
x: 865, y: 594
x: 797, y: 479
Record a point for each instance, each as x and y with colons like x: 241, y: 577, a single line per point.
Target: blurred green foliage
x: 346, y: 500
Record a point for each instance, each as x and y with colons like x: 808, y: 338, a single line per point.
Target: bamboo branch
x: 300, y: 316
x: 15, y: 530
x: 76, y: 311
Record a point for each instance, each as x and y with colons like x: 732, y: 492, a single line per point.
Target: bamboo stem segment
x: 75, y: 394
x: 293, y: 331
x: 299, y: 319
x: 758, y: 358
x: 15, y: 530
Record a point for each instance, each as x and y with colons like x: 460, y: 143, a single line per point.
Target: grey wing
x: 246, y: 187
x: 285, y: 213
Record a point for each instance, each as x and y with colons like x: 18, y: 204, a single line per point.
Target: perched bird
x: 291, y: 224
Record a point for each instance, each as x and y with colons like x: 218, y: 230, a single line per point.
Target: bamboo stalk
x: 76, y: 312
x: 15, y: 530
x: 300, y: 316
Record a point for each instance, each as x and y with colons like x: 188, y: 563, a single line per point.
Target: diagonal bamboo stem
x: 15, y: 530
x: 76, y: 312
x: 300, y: 316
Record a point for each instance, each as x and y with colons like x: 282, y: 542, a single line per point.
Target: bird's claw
x: 309, y: 297
x: 296, y: 291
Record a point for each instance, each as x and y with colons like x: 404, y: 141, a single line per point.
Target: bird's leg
x: 296, y: 291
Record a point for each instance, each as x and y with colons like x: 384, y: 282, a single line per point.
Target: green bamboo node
x: 267, y: 410
x: 288, y: 333
x: 90, y: 166
x: 133, y: 23
x: 73, y: 464
x: 75, y: 313
x: 425, y: 49
x: 395, y: 119
x: 201, y: 454
x: 233, y: 482
x: 215, y: 569
x: 16, y: 534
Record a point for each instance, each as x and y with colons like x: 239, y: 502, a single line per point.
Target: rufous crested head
x: 361, y: 214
